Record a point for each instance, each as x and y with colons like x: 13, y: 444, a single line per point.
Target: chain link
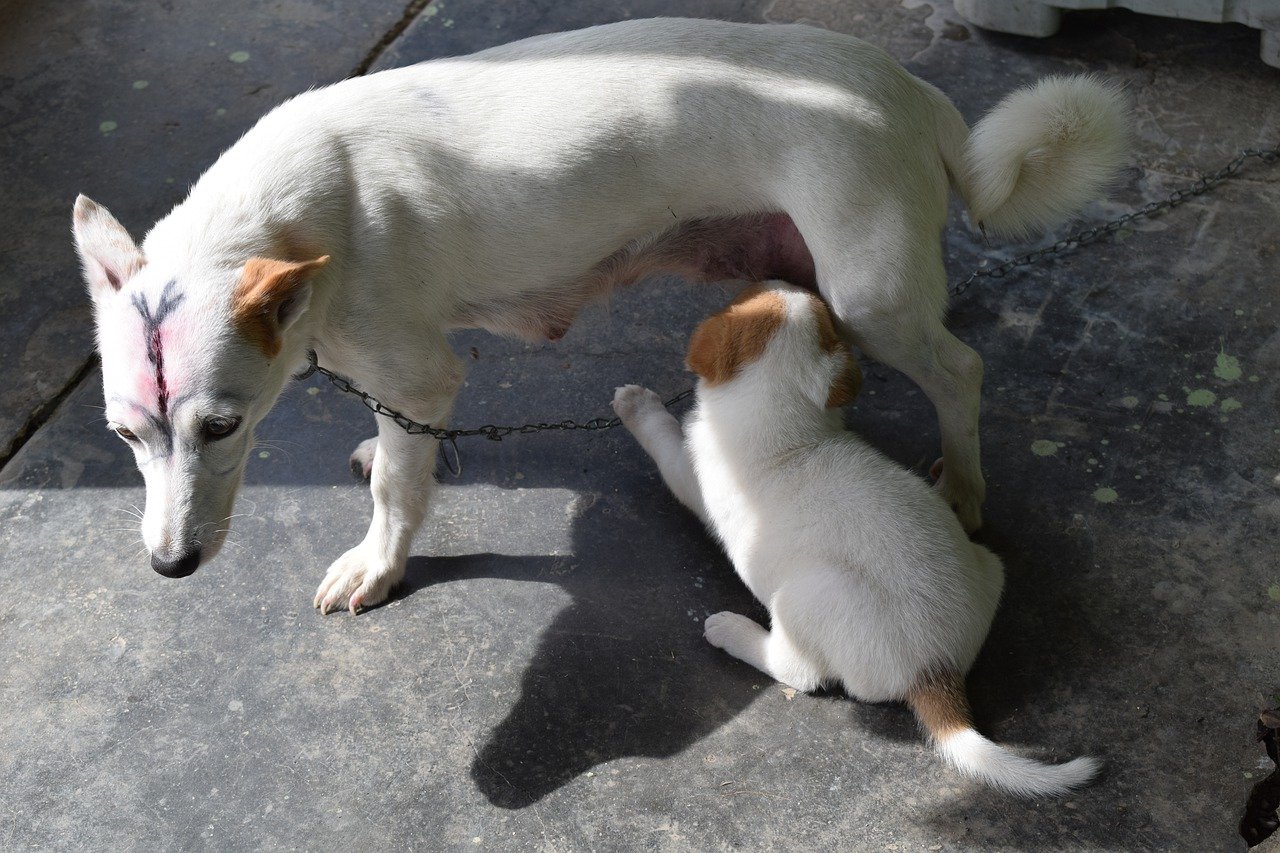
x: 1084, y: 237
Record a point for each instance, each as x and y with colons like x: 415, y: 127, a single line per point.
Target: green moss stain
x: 1129, y: 402
x: 1231, y: 404
x: 1045, y: 447
x: 239, y: 56
x: 1227, y: 367
x: 1273, y: 592
x: 107, y: 126
x: 140, y: 84
x: 1105, y: 495
x: 1201, y: 397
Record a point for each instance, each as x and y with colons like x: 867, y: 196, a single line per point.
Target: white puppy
x: 869, y: 578
x: 503, y: 191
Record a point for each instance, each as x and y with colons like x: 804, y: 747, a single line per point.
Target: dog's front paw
x: 356, y: 579
x: 965, y: 500
x: 631, y: 401
x: 362, y: 459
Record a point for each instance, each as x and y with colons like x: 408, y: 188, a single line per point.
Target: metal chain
x: 492, y: 432
x: 1068, y: 244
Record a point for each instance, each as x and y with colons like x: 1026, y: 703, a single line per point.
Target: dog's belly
x: 753, y: 247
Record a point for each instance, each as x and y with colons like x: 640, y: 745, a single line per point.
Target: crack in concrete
x: 44, y: 413
x: 410, y: 14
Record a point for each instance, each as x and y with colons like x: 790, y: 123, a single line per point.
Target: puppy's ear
x: 107, y: 252
x: 847, y: 385
x: 707, y: 350
x: 270, y: 296
x: 848, y: 381
x: 727, y: 341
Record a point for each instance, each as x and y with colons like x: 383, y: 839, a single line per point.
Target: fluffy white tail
x: 941, y: 705
x: 1040, y: 154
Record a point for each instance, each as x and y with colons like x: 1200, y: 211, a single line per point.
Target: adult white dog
x: 506, y: 189
x: 869, y: 578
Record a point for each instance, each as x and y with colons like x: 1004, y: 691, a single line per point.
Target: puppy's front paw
x: 727, y: 630
x: 631, y: 401
x: 356, y: 579
x: 362, y: 459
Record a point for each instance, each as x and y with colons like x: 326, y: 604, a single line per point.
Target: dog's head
x: 778, y: 336
x: 193, y: 356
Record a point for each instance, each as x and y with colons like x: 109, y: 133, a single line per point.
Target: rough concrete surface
x: 540, y: 681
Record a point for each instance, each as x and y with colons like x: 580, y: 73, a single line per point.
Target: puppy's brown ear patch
x: 847, y: 385
x: 268, y: 296
x: 724, y: 342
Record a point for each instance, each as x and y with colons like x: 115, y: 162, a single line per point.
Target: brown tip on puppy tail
x: 269, y: 296
x: 736, y: 336
x: 941, y: 703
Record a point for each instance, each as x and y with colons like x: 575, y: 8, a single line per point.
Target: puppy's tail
x: 942, y: 706
x: 1039, y: 155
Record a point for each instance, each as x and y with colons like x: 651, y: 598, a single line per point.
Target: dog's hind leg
x: 423, y: 387
x: 889, y: 296
x: 659, y: 433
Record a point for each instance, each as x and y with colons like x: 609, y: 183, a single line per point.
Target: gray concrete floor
x: 540, y: 682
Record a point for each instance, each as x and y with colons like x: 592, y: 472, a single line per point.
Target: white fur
x: 506, y: 189
x: 869, y: 578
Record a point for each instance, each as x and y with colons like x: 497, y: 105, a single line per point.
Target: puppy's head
x: 193, y: 357
x: 778, y: 336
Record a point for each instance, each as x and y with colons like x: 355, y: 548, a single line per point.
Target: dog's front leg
x: 402, y: 482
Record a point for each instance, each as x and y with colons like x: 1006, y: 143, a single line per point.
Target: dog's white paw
x: 728, y: 631
x: 964, y: 500
x: 362, y: 458
x: 631, y: 401
x: 356, y: 579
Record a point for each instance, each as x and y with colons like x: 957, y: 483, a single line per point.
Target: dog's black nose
x: 179, y: 568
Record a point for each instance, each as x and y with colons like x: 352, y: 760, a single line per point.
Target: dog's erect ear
x: 107, y: 252
x: 269, y: 297
x: 736, y: 336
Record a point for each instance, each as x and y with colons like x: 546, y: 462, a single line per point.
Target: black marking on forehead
x: 170, y: 297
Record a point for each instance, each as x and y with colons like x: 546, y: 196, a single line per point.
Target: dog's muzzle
x: 179, y: 568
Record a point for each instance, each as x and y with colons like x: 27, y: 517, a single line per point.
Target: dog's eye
x: 125, y: 433
x: 217, y: 427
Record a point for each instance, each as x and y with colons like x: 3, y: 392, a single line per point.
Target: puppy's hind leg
x: 771, y: 652
x: 659, y: 433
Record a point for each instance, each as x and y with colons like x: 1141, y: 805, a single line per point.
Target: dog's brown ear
x: 107, y: 252
x: 269, y: 297
x: 736, y: 336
